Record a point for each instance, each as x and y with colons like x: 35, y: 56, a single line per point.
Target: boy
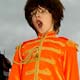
x: 47, y: 57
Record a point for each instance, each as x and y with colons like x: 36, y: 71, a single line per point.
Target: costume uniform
x: 48, y: 57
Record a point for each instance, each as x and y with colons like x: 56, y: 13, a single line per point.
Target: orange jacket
x: 46, y: 58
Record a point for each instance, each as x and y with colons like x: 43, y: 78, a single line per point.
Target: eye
x: 42, y: 10
x: 33, y: 13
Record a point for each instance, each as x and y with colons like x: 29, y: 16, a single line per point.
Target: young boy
x: 47, y: 57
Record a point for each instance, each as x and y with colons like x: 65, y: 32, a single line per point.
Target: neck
x: 46, y: 34
x: 49, y: 30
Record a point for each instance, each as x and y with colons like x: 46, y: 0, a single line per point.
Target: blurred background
x: 14, y: 28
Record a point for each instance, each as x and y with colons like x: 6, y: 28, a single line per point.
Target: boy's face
x: 42, y: 20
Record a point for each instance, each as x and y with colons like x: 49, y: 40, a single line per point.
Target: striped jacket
x: 48, y: 57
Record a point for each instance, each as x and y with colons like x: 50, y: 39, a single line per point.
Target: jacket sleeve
x: 16, y: 67
x: 71, y: 71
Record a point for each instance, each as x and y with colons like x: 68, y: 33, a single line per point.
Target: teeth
x: 39, y: 23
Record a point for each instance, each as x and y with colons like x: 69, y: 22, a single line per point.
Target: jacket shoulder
x: 69, y: 42
x: 21, y: 45
x: 29, y: 42
x: 64, y: 39
x: 72, y: 43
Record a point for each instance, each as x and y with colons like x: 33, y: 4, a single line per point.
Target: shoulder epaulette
x: 72, y: 44
x: 69, y: 42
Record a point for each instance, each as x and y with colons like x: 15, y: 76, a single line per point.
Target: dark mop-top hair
x: 55, y: 7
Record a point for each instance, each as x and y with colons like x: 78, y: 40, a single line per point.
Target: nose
x: 37, y: 14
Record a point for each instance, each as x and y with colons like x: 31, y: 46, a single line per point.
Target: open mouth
x: 39, y: 23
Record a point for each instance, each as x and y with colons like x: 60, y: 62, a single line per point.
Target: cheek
x: 48, y: 20
x: 33, y: 21
x: 48, y: 17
